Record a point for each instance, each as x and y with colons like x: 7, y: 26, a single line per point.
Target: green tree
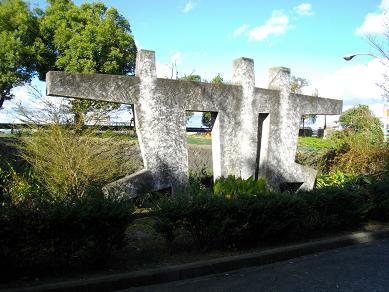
x: 360, y: 119
x: 18, y: 31
x: 358, y: 148
x: 90, y: 38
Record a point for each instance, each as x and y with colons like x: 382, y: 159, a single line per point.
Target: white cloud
x: 169, y: 70
x: 357, y: 84
x: 304, y: 9
x: 164, y: 70
x: 176, y: 58
x: 241, y: 29
x: 190, y: 5
x: 375, y: 23
x: 384, y: 5
x: 278, y: 24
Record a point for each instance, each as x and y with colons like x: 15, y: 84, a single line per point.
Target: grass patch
x: 315, y: 143
x: 199, y: 140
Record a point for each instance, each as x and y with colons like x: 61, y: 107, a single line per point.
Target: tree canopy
x: 18, y: 32
x: 360, y: 119
x: 89, y: 38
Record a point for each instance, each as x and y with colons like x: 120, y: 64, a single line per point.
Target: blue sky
x: 310, y: 37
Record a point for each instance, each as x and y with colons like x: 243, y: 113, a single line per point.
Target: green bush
x: 222, y: 221
x: 37, y: 229
x: 336, y: 179
x: 378, y: 194
x: 233, y: 187
x: 336, y: 208
x: 244, y: 219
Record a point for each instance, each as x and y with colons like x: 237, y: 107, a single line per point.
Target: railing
x: 19, y: 126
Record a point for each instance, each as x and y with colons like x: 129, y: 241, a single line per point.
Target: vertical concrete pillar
x: 282, y: 168
x: 160, y: 125
x: 145, y: 64
x: 243, y: 75
x: 281, y: 127
x: 144, y: 113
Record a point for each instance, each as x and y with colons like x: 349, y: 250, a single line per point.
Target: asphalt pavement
x: 362, y: 267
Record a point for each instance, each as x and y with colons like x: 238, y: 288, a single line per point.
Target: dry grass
x: 69, y: 162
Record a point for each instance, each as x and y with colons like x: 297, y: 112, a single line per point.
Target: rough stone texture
x: 255, y: 132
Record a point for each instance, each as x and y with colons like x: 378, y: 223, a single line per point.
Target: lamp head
x: 349, y: 57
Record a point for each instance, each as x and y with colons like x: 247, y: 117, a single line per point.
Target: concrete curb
x: 202, y: 268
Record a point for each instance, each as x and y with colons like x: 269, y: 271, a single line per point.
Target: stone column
x: 247, y: 133
x: 282, y: 128
x: 283, y: 171
x: 159, y: 123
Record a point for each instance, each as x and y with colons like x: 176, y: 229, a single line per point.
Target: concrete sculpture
x: 255, y: 132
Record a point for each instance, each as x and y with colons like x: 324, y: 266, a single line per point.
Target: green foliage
x: 198, y: 140
x: 70, y: 163
x: 233, y: 188
x: 53, y: 234
x: 215, y: 221
x: 18, y: 30
x: 360, y: 119
x: 18, y: 189
x: 220, y: 221
x: 336, y: 179
x: 359, y: 148
x: 89, y: 38
x: 218, y: 79
x: 378, y: 194
x: 357, y: 154
x: 41, y: 229
x: 336, y: 208
x: 192, y: 77
x: 315, y: 143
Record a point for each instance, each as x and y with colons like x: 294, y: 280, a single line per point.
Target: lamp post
x: 350, y: 56
x: 385, y: 117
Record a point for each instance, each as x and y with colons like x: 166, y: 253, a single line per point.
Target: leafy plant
x: 232, y: 187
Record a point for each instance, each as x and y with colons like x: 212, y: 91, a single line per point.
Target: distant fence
x: 115, y: 128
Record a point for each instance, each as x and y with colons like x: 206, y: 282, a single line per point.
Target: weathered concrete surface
x: 255, y: 132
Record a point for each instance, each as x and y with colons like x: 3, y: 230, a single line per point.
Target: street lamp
x: 385, y: 117
x: 350, y: 56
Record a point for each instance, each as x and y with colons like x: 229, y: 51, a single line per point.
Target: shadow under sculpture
x: 255, y: 132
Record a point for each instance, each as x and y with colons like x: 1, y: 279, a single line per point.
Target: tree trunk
x: 79, y: 120
x: 2, y: 99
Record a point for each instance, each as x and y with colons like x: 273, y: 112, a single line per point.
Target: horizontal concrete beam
x: 318, y: 105
x: 102, y: 87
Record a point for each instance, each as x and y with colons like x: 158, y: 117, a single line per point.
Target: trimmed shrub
x: 217, y: 222
x: 335, y: 208
x: 378, y: 194
x: 37, y: 229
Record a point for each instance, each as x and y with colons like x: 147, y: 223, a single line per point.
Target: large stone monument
x: 255, y: 132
